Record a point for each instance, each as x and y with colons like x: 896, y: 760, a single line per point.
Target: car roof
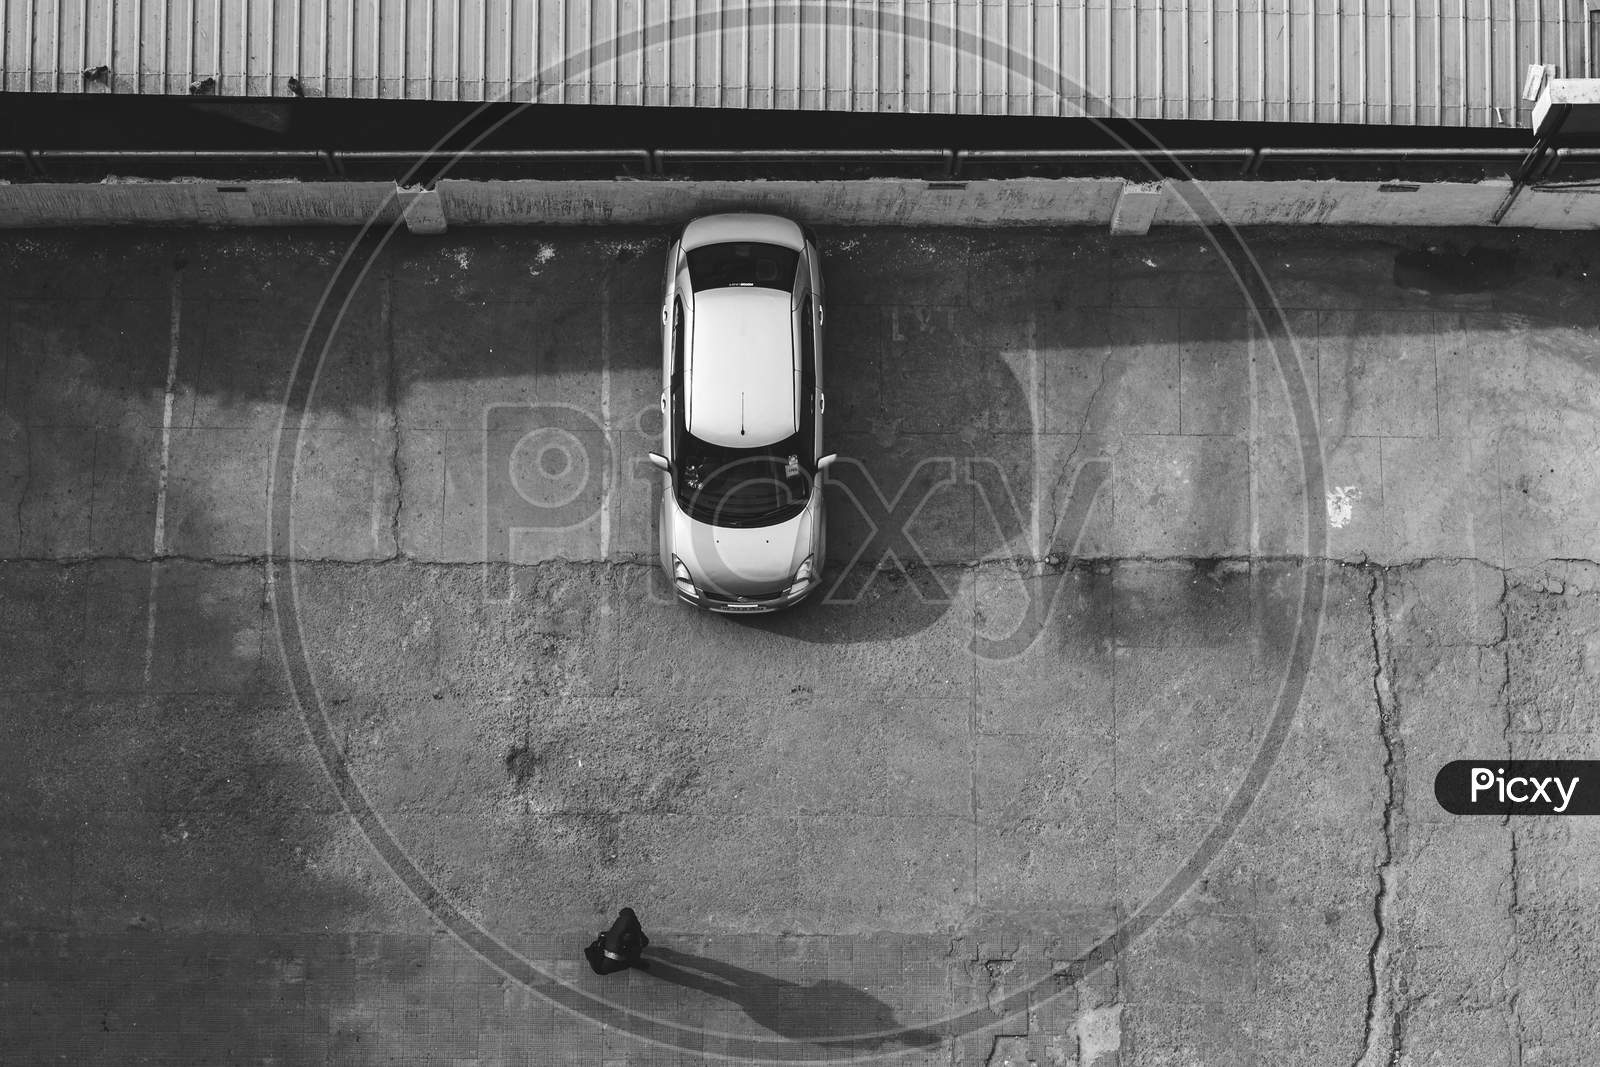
x: 741, y: 382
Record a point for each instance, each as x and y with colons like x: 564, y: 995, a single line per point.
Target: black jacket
x: 619, y: 947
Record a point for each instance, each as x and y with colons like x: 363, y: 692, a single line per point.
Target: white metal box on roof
x: 1428, y: 62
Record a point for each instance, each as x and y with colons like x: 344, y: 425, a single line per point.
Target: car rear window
x: 743, y: 263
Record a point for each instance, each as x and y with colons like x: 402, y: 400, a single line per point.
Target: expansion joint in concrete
x: 1383, y: 1027
x: 1051, y: 564
x: 392, y: 380
x: 27, y: 481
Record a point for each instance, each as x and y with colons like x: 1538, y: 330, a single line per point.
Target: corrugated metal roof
x: 1431, y: 62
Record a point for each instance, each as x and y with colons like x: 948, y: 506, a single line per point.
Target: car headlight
x: 803, y: 577
x: 680, y: 573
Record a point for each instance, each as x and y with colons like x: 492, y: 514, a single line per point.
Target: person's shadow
x: 824, y: 1012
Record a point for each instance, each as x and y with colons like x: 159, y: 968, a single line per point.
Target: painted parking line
x: 158, y: 547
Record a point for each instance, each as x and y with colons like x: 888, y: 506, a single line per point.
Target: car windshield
x: 742, y: 263
x: 742, y: 486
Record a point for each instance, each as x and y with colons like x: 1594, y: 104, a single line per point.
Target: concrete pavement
x: 1071, y: 547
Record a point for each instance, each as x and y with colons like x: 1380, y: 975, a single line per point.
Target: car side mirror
x: 827, y: 461
x: 660, y: 462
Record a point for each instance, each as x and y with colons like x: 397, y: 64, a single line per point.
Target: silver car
x: 742, y: 524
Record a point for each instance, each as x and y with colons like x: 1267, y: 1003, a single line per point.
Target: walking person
x: 620, y: 947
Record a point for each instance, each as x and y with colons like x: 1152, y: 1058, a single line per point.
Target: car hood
x: 742, y: 561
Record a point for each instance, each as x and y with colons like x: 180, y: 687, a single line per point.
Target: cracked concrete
x: 392, y: 404
x: 1384, y: 1027
x: 1518, y: 1035
x: 850, y: 804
